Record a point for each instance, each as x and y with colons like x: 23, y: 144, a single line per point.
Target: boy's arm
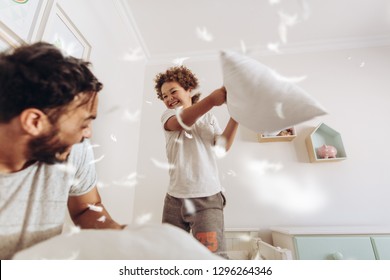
x: 229, y: 133
x: 190, y: 115
x: 87, y: 211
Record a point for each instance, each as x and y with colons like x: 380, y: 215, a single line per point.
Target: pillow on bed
x: 147, y: 242
x: 260, y: 99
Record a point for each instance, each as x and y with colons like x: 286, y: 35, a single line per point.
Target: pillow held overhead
x: 260, y: 100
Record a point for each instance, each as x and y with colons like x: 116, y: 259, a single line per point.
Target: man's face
x: 72, y: 127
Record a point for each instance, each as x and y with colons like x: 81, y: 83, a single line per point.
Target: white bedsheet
x: 146, y: 242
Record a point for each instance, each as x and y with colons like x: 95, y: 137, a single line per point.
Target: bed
x: 146, y: 242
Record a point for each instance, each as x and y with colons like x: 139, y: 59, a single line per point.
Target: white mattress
x: 147, y: 242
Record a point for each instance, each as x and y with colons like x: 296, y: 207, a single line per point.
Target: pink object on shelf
x: 327, y: 151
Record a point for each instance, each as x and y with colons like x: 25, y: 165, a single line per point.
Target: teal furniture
x: 334, y: 243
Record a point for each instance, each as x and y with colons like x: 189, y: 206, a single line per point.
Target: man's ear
x: 33, y: 121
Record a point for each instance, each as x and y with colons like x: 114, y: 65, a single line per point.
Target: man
x: 47, y: 104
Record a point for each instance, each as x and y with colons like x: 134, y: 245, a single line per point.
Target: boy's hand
x: 218, y: 96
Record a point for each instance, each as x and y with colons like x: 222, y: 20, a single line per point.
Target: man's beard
x: 47, y: 148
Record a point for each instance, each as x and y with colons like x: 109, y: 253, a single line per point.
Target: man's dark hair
x: 40, y: 76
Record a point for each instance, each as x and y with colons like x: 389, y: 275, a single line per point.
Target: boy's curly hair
x: 179, y: 74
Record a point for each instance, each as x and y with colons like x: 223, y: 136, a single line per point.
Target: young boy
x: 194, y: 201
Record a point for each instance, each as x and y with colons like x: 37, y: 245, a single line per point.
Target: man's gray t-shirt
x: 33, y: 201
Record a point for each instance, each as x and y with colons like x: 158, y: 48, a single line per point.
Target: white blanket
x: 147, y: 242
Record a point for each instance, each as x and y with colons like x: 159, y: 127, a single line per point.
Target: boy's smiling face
x: 174, y: 95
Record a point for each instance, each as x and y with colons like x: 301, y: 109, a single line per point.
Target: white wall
x: 353, y: 86
x: 116, y: 128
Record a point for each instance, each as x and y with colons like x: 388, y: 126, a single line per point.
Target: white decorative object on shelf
x: 285, y: 135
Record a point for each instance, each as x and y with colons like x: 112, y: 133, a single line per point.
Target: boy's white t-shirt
x: 193, y: 171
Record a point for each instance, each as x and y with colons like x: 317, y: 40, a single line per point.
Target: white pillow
x: 147, y: 242
x: 260, y: 99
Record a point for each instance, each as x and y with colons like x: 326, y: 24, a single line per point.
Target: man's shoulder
x: 81, y: 148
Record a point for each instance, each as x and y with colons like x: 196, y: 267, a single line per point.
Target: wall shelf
x: 279, y: 137
x: 324, y: 135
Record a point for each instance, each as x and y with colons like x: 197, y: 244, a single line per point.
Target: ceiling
x: 185, y: 28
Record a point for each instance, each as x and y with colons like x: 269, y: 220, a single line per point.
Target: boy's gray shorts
x: 202, y: 215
